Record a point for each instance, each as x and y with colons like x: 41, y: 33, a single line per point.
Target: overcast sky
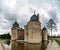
x: 24, y: 9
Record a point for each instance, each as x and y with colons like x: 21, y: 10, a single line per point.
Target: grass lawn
x: 58, y: 40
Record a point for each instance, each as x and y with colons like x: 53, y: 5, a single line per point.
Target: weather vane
x: 34, y: 11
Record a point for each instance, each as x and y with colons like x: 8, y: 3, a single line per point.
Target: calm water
x: 24, y: 46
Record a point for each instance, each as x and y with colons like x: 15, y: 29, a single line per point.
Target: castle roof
x: 15, y: 24
x: 44, y: 29
x: 34, y: 17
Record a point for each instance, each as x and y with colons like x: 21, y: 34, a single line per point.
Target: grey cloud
x: 1, y: 6
x: 57, y: 3
x: 4, y: 25
x: 10, y: 17
x: 53, y: 15
x: 23, y: 21
x: 43, y: 21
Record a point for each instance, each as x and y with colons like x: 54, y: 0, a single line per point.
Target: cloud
x: 53, y: 15
x: 23, y: 10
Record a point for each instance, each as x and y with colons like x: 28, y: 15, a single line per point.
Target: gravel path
x: 53, y: 46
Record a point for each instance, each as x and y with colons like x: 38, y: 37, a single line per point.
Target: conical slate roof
x: 44, y: 29
x: 15, y: 24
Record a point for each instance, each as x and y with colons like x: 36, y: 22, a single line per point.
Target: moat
x: 13, y: 45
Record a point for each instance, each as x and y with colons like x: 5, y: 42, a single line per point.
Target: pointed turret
x: 15, y: 24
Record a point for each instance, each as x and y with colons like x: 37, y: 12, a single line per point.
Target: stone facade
x: 14, y: 34
x: 32, y: 32
x: 44, y: 34
x: 17, y: 33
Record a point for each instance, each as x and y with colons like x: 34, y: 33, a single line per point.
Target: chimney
x: 38, y: 17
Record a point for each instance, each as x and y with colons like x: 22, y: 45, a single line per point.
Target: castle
x: 32, y: 32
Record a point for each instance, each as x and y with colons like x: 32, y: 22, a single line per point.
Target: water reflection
x: 28, y: 46
x: 44, y: 45
x: 32, y: 46
x: 17, y: 46
x: 8, y: 42
x: 13, y: 45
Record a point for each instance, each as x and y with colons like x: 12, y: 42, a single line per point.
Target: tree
x: 5, y: 36
x: 51, y: 25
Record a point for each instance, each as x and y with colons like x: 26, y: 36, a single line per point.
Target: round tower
x: 32, y: 30
x: 44, y: 34
x: 14, y: 31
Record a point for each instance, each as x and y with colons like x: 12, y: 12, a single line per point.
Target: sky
x: 22, y: 10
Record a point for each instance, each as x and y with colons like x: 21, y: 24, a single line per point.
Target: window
x: 27, y: 33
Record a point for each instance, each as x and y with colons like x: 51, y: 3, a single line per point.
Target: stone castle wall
x: 33, y: 32
x: 14, y: 34
x: 44, y: 35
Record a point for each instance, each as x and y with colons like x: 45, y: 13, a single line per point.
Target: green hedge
x: 58, y: 40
